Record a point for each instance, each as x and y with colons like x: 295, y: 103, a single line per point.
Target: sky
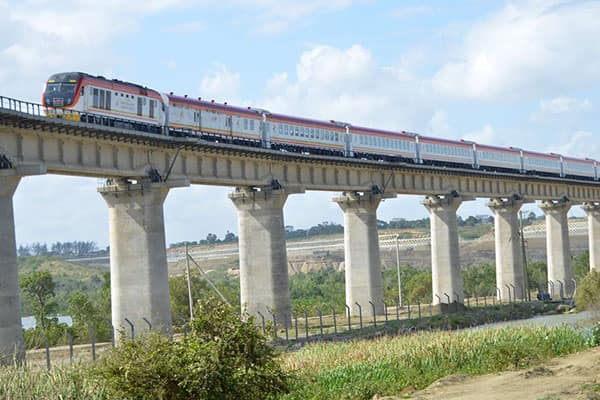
x: 520, y: 73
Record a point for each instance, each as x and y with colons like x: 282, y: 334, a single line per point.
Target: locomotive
x: 95, y: 99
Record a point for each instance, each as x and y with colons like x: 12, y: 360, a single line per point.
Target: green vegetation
x: 68, y: 278
x: 388, y: 366
x: 226, y: 359
x: 588, y: 292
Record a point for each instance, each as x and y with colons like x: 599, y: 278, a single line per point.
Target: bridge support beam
x: 445, y: 255
x: 11, y: 330
x: 264, y: 286
x: 509, y: 257
x: 138, y: 259
x: 361, y: 252
x: 560, y: 271
x: 593, y: 213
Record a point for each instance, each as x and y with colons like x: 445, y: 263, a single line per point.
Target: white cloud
x: 485, y: 135
x: 527, y: 49
x: 221, y: 84
x: 348, y: 84
x: 579, y: 144
x: 560, y: 105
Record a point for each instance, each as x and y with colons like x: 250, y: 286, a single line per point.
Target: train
x: 98, y: 100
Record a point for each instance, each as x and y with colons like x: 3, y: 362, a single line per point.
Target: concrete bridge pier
x: 138, y: 258
x: 445, y: 255
x: 558, y: 245
x: 264, y: 285
x: 509, y: 257
x: 361, y: 252
x: 592, y: 210
x: 11, y: 330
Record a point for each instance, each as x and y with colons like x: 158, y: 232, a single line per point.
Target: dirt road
x: 574, y: 377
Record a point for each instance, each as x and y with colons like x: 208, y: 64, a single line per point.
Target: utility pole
x: 398, y: 269
x: 189, y: 282
x: 524, y: 254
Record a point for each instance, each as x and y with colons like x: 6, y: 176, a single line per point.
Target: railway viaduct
x: 140, y: 169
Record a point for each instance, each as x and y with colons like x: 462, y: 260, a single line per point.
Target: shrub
x: 222, y: 358
x: 588, y: 292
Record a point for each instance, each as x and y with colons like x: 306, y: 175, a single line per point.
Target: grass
x: 388, y: 366
x: 353, y: 370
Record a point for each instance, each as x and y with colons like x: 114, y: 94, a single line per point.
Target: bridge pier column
x: 592, y: 210
x: 361, y: 252
x: 509, y: 257
x: 558, y: 246
x: 138, y: 258
x: 445, y: 256
x: 11, y: 331
x: 264, y: 286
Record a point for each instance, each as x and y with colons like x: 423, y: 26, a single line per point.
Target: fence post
x: 112, y: 331
x: 485, y: 301
x: 92, y: 329
x: 385, y: 310
x: 408, y: 309
x: 285, y: 325
x: 419, y: 308
x: 349, y: 317
x: 132, y: 328
x: 560, y: 289
x: 70, y: 339
x: 320, y: 320
x: 296, y: 325
x: 447, y: 298
x: 397, y: 310
x: 509, y: 295
x: 334, y: 319
x: 574, y: 287
x: 274, y: 323
x: 476, y: 300
x: 498, y: 295
x: 262, y: 317
x: 148, y: 323
x: 48, y: 364
x: 359, y: 314
x: 374, y: 314
x: 551, y: 283
x: 306, y: 323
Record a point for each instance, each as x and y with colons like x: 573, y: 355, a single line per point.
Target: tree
x: 38, y: 288
x: 221, y: 358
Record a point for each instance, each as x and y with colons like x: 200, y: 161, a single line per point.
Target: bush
x: 222, y: 358
x: 588, y: 292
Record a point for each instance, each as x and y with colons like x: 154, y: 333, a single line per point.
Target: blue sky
x: 522, y: 73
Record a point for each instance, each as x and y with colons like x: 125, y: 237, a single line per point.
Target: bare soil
x: 573, y: 377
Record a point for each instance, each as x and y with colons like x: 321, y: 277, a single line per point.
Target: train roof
x: 328, y: 124
x: 403, y: 134
x: 498, y: 148
x: 445, y: 141
x: 69, y: 76
x: 212, y: 104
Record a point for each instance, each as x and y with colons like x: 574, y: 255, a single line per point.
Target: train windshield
x: 60, y: 94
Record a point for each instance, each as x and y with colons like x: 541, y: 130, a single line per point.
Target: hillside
x: 69, y: 277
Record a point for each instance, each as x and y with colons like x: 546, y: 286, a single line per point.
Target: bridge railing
x: 85, y: 118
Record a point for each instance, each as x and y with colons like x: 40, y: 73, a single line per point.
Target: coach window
x: 95, y: 98
x: 251, y: 124
x: 108, y: 93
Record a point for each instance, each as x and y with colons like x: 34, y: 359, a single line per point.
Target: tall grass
x: 350, y: 370
x: 360, y: 370
x: 64, y: 383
